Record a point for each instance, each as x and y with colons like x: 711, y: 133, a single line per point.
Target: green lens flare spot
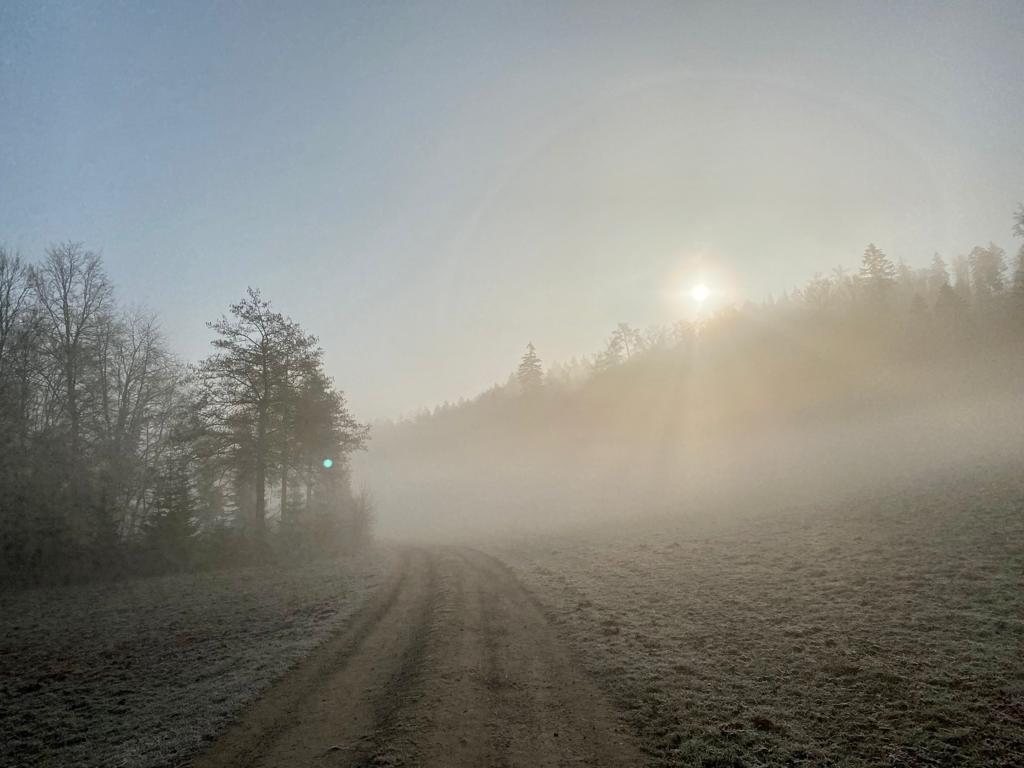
x: 328, y: 463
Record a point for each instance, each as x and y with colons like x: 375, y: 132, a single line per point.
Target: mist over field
x: 456, y: 385
x: 764, y: 406
x: 785, y: 534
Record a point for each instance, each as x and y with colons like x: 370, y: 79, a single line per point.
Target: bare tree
x: 137, y: 382
x: 818, y: 293
x: 15, y: 298
x: 75, y: 297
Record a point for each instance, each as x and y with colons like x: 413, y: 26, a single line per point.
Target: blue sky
x: 429, y: 186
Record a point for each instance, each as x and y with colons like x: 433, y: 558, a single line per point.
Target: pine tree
x: 938, y: 275
x: 173, y: 524
x: 818, y: 293
x: 988, y: 271
x: 530, y: 373
x: 1017, y: 286
x: 1017, y: 291
x: 962, y: 279
x: 877, y: 272
x: 246, y: 382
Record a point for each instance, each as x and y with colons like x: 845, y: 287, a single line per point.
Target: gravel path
x: 452, y: 665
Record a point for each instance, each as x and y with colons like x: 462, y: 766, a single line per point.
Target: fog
x: 429, y: 187
x: 467, y: 384
x: 742, y: 412
x: 443, y: 497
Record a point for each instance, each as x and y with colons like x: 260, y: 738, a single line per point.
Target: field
x: 882, y: 630
x: 143, y: 673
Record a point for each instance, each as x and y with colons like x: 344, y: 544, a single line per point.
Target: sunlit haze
x: 473, y: 384
x: 447, y: 182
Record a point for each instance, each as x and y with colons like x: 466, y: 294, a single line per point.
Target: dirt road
x: 451, y: 664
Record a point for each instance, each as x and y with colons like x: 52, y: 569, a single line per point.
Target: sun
x: 700, y: 293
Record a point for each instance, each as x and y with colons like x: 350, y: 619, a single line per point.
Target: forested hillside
x: 855, y: 377
x: 118, y: 457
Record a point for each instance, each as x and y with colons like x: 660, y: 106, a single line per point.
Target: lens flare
x: 328, y: 463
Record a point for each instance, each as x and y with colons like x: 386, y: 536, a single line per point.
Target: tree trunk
x: 73, y: 412
x: 260, y: 511
x: 74, y: 514
x: 285, y: 517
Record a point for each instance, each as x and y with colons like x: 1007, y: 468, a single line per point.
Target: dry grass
x: 883, y: 631
x: 141, y: 673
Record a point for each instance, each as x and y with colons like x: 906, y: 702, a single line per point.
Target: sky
x: 429, y: 186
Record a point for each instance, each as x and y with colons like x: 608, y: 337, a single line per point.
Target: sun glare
x: 700, y: 293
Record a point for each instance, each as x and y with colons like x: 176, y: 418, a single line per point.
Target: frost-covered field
x: 879, y: 631
x: 140, y: 673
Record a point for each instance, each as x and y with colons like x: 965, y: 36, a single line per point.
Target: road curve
x: 450, y: 664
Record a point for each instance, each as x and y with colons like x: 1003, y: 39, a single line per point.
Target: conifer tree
x: 1017, y: 286
x: 962, y: 279
x: 246, y: 385
x: 988, y: 271
x: 530, y: 373
x: 878, y: 273
x: 1017, y: 289
x: 173, y: 523
x: 938, y: 275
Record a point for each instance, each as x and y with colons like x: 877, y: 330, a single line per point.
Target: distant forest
x: 118, y: 458
x: 745, y: 396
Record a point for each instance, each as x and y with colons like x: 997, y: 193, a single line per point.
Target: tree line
x: 659, y: 410
x: 882, y: 312
x: 116, y: 457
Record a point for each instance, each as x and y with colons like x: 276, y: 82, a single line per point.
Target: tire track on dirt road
x: 450, y: 664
